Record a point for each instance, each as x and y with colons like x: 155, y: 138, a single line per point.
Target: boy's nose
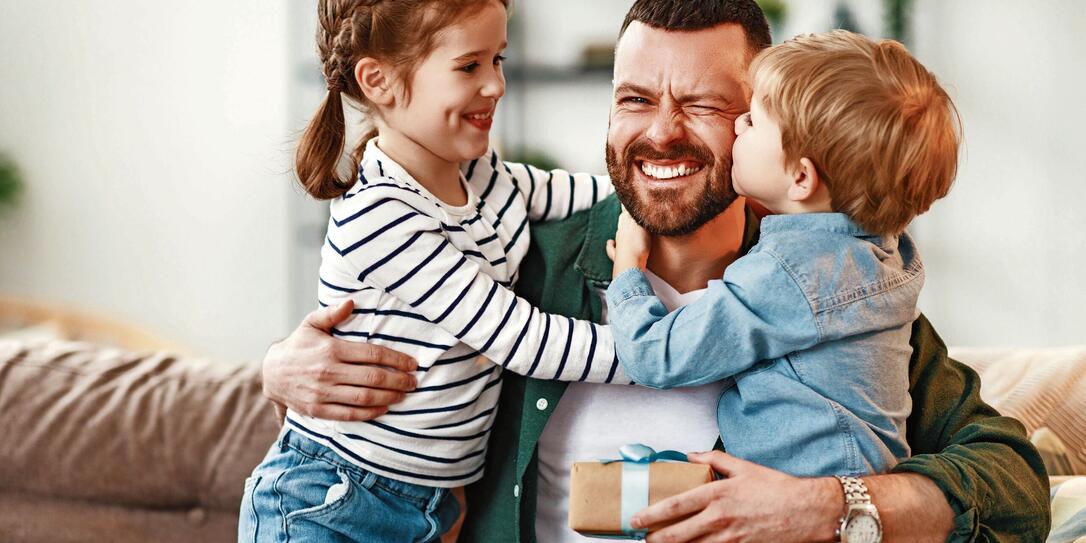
x: 741, y: 124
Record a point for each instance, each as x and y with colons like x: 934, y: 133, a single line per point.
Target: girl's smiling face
x: 449, y: 106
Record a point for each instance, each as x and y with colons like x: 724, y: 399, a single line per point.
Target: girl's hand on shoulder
x: 630, y: 248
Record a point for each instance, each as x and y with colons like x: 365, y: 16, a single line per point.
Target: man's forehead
x: 714, y: 60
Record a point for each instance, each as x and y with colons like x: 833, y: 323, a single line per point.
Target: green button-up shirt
x: 992, y: 477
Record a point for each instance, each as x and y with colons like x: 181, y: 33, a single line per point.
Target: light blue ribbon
x: 635, y: 483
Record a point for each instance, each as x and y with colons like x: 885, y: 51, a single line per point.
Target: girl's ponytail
x: 320, y: 149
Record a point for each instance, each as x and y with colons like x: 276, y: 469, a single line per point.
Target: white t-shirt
x: 592, y: 421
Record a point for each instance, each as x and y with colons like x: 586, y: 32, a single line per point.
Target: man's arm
x: 320, y: 376
x: 991, y: 480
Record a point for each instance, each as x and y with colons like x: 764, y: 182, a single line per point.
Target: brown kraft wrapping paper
x: 595, y: 494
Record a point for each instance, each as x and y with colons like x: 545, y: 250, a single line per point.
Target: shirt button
x: 516, y: 491
x: 541, y: 404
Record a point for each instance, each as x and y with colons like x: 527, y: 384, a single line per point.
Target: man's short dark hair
x: 690, y: 15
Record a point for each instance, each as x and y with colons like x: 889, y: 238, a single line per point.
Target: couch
x: 105, y: 444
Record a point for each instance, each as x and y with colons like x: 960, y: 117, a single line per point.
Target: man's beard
x: 675, y: 211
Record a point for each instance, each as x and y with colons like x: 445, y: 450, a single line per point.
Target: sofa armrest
x: 147, y: 429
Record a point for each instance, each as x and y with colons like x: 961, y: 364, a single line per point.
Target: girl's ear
x: 805, y: 183
x: 374, y: 82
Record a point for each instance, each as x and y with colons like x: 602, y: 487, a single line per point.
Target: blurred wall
x: 152, y: 137
x: 1006, y: 251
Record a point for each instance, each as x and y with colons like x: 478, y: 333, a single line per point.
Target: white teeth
x: 668, y: 172
x: 479, y: 116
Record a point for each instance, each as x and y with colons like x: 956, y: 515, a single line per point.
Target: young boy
x: 847, y: 140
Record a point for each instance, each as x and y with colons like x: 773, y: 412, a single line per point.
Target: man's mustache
x: 644, y: 149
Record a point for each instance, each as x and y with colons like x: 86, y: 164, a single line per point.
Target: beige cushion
x: 1043, y: 388
x: 152, y: 430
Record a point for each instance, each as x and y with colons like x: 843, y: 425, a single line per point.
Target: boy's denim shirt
x: 812, y: 326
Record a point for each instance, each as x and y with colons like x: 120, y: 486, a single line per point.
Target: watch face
x: 862, y: 529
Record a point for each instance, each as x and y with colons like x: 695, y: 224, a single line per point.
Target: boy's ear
x: 805, y: 183
x: 375, y: 84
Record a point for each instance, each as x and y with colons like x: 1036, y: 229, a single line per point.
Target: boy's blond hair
x: 879, y: 129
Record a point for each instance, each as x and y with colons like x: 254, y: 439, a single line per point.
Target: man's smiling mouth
x: 670, y: 170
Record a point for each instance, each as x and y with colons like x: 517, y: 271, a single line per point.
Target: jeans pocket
x: 248, y: 520
x: 336, y: 493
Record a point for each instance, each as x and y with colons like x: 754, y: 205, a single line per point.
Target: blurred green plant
x: 10, y: 183
x: 897, y: 19
x: 537, y: 158
x: 775, y: 11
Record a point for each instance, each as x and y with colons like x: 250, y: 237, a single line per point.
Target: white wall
x: 1005, y: 252
x: 153, y: 138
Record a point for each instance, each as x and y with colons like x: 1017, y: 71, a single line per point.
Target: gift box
x: 604, y: 495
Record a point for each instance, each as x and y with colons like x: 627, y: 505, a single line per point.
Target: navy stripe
x: 501, y: 327
x: 572, y: 194
x: 478, y: 314
x: 411, y: 241
x: 454, y: 303
x: 489, y: 187
x: 520, y: 338
x: 565, y: 352
x: 463, y: 422
x: 499, y: 261
x: 591, y: 353
x: 383, y: 313
x: 371, y: 237
x: 542, y: 347
x: 512, y: 198
x: 547, y: 207
x: 531, y: 184
x: 516, y: 236
x: 614, y: 368
x: 380, y: 169
x: 406, y: 340
x: 379, y: 203
x: 487, y: 239
x: 440, y: 282
x: 361, y: 460
x: 428, y: 458
x: 343, y: 289
x: 455, y: 384
x: 469, y: 252
x: 456, y: 407
x: 363, y: 211
x: 413, y: 435
x: 455, y: 359
x: 416, y: 269
x: 471, y: 169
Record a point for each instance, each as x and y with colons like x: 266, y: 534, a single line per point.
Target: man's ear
x: 805, y: 183
x: 374, y: 82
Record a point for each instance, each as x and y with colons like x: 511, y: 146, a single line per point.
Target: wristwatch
x: 860, y: 522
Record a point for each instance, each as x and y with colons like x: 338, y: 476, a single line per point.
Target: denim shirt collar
x: 593, y: 261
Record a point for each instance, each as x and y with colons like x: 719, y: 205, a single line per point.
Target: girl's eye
x: 469, y: 68
x: 745, y: 119
x: 499, y: 59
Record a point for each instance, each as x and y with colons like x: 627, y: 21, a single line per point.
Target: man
x: 680, y: 82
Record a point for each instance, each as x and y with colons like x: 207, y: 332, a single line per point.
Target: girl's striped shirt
x: 434, y: 281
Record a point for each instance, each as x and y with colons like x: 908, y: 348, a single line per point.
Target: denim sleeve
x: 756, y: 312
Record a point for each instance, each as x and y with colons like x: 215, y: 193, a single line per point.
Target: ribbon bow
x: 635, y: 482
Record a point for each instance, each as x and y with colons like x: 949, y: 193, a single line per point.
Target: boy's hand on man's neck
x: 688, y: 263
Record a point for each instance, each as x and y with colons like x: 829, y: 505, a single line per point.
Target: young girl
x: 426, y: 241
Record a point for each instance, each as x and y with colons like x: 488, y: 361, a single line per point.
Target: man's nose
x: 667, y: 127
